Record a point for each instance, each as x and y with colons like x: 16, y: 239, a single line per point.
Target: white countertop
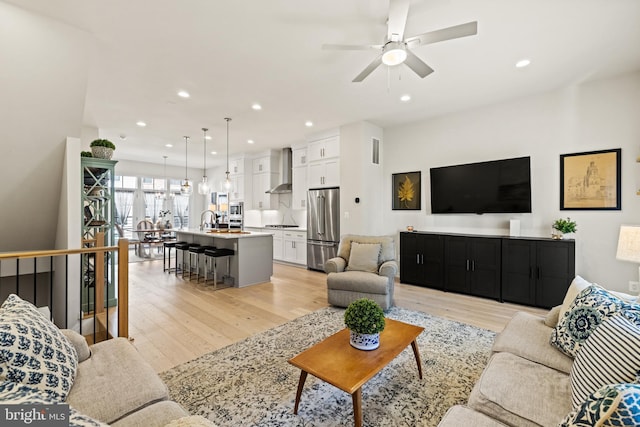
x: 218, y: 235
x: 268, y: 229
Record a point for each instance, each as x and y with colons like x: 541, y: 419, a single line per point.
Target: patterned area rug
x: 251, y: 383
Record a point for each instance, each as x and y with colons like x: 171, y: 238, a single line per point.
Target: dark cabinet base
x: 529, y: 271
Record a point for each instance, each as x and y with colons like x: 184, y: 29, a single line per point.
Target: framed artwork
x: 591, y: 180
x: 406, y: 191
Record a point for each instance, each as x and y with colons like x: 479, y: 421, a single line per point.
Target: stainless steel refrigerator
x: 323, y: 226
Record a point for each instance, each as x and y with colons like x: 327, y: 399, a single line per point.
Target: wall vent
x: 375, y: 151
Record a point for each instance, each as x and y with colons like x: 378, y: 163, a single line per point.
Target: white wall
x: 43, y: 76
x: 593, y: 116
x: 360, y: 178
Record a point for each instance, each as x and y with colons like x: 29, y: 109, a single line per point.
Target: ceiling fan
x: 396, y: 50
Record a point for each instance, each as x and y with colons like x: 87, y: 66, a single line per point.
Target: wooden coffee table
x: 335, y: 361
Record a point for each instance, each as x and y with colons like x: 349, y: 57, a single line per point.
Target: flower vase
x: 364, y: 341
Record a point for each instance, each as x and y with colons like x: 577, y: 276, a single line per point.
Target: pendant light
x: 167, y: 189
x: 203, y: 186
x: 227, y: 182
x: 186, y: 188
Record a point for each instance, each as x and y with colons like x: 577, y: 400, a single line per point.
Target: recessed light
x: 168, y: 145
x: 208, y: 137
x: 308, y: 123
x: 256, y: 106
x: 405, y: 98
x: 523, y: 63
x: 214, y: 152
x: 184, y: 94
x: 250, y: 141
x: 141, y: 124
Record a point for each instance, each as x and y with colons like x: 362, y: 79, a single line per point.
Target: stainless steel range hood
x: 285, y: 186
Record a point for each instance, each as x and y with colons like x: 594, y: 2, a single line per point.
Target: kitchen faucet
x: 202, y: 218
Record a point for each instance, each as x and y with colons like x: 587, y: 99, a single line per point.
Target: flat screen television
x: 499, y: 186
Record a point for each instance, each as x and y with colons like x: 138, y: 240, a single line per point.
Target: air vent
x: 375, y: 151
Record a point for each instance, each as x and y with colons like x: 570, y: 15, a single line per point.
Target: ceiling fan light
x: 394, y: 53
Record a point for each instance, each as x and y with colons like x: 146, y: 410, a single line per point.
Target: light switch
x: 346, y: 215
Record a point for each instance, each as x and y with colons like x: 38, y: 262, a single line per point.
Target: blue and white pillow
x: 33, y: 351
x: 587, y: 311
x: 19, y: 394
x: 612, y: 405
x: 611, y: 355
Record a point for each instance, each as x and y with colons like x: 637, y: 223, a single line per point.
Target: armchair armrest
x: 79, y: 343
x: 335, y: 265
x: 388, y: 269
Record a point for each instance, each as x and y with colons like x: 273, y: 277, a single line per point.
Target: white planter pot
x: 364, y: 341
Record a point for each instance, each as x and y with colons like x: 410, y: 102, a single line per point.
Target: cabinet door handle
x: 417, y: 258
x: 422, y: 259
x: 473, y: 265
x: 467, y: 265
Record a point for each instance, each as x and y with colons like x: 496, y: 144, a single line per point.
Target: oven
x: 236, y: 215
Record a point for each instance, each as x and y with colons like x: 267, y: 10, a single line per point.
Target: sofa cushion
x: 364, y: 257
x: 527, y: 336
x: 612, y: 405
x: 160, y: 414
x: 611, y: 355
x: 79, y: 343
x: 520, y: 392
x: 358, y: 281
x: 587, y: 311
x: 12, y: 393
x: 387, y: 251
x: 33, y: 351
x: 459, y: 415
x: 114, y: 382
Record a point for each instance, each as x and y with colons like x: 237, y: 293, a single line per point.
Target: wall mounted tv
x: 499, y: 186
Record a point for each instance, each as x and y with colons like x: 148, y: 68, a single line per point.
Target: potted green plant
x: 563, y: 226
x: 102, y: 148
x: 86, y: 154
x: 365, y: 320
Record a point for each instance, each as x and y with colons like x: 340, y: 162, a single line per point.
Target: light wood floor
x: 172, y: 320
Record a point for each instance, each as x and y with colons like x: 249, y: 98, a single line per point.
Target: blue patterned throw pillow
x: 587, y: 311
x: 18, y: 394
x: 613, y: 405
x: 33, y: 351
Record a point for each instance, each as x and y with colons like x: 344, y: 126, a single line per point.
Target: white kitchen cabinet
x: 323, y: 149
x: 300, y: 187
x: 299, y: 157
x: 265, y: 164
x: 236, y: 166
x: 236, y: 192
x: 263, y: 182
x: 324, y: 174
x: 278, y: 252
x: 295, y: 247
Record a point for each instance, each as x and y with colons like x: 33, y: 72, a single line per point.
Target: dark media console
x: 523, y: 270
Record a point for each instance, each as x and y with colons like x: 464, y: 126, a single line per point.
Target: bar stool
x: 213, y: 255
x: 167, y: 246
x: 184, y: 248
x: 196, y: 250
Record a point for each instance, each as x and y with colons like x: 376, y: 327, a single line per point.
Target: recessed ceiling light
x: 256, y: 106
x: 250, y: 141
x: 405, y: 98
x: 208, y: 137
x: 184, y: 94
x: 141, y: 123
x: 168, y: 145
x: 308, y: 123
x: 214, y: 152
x: 523, y: 63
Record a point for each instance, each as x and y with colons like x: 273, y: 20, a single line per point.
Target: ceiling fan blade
x: 417, y: 65
x: 351, y: 46
x: 375, y: 64
x: 457, y: 31
x: 398, y: 11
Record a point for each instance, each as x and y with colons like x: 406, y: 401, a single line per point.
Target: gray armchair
x: 364, y: 268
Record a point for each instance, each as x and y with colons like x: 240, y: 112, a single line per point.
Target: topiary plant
x: 86, y: 154
x: 565, y: 225
x: 103, y: 143
x: 364, y: 316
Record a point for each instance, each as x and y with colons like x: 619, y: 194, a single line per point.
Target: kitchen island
x: 253, y: 259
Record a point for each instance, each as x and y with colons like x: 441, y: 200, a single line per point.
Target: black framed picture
x: 591, y: 180
x: 406, y: 191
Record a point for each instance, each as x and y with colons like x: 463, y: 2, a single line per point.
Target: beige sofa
x: 527, y: 380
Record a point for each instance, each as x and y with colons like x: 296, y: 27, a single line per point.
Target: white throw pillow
x: 33, y: 351
x: 364, y: 257
x: 610, y: 355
